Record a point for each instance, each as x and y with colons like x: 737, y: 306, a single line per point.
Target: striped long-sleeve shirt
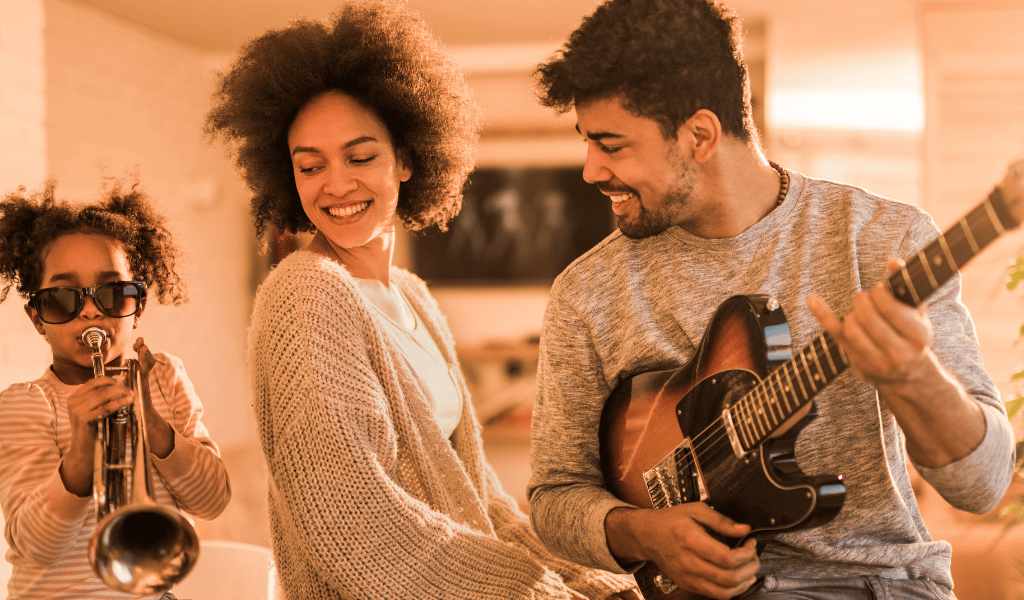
x: 47, y: 527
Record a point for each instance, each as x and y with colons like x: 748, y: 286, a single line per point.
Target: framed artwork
x: 517, y: 225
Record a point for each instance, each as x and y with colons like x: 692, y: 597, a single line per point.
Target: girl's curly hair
x: 382, y: 55
x: 666, y: 59
x: 31, y: 223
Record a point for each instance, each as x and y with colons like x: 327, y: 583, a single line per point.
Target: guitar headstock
x: 1012, y: 188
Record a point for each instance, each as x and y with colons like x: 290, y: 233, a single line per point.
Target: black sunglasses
x: 117, y: 299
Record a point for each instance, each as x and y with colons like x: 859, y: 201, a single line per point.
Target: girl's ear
x: 34, y: 317
x: 138, y: 313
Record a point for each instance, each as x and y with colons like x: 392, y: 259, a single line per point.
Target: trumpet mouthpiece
x: 93, y: 337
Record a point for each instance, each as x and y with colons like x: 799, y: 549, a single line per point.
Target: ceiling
x: 223, y: 25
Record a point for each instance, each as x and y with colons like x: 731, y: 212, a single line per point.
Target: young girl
x: 80, y: 267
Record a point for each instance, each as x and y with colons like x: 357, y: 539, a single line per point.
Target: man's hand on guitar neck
x: 678, y: 541
x: 888, y: 345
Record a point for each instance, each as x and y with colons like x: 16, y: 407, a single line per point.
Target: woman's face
x: 347, y: 171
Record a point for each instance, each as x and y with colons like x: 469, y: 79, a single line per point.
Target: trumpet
x: 139, y: 546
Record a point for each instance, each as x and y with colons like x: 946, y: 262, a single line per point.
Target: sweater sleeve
x: 43, y: 519
x: 193, y: 472
x: 978, y: 481
x: 568, y: 500
x: 512, y: 525
x: 334, y: 458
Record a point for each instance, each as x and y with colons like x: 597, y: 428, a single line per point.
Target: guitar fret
x: 748, y: 420
x: 763, y: 409
x: 909, y: 283
x: 772, y: 396
x: 994, y: 217
x: 773, y: 403
x: 789, y: 385
x: 744, y: 432
x: 938, y: 265
x: 803, y: 390
x: 821, y: 373
x: 969, y: 235
x: 739, y: 424
x: 750, y: 428
x: 842, y: 356
x: 755, y: 422
x: 807, y: 368
x: 828, y: 354
x: 928, y: 269
x: 949, y: 255
x: 762, y: 418
x: 781, y: 392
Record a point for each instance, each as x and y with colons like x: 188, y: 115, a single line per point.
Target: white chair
x: 230, y: 570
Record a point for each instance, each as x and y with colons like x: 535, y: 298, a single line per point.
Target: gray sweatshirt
x: 629, y: 306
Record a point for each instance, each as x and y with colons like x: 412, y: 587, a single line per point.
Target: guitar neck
x: 781, y: 395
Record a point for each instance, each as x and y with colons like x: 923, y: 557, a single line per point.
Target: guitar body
x: 674, y: 419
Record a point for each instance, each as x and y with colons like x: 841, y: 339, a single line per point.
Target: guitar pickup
x: 676, y: 479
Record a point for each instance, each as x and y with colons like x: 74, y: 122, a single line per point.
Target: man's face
x: 646, y: 176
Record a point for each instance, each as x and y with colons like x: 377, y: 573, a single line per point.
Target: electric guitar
x: 722, y: 428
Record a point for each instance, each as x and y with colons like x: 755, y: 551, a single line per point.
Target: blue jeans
x: 847, y: 588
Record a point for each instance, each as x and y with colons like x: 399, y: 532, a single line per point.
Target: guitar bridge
x: 676, y: 479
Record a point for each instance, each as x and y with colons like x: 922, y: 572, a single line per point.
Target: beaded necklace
x: 783, y: 182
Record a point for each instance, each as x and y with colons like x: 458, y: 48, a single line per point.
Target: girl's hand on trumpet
x: 160, y: 432
x: 95, y: 399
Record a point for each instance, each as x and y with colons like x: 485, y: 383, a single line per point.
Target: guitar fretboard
x: 792, y: 386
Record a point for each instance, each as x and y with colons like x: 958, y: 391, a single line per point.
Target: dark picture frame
x: 516, y: 226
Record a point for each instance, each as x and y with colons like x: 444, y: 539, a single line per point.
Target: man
x: 661, y: 95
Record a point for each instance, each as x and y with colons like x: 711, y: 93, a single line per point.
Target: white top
x: 435, y: 376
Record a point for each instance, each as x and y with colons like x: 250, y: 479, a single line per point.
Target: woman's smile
x: 350, y: 210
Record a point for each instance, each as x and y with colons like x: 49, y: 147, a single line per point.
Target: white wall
x: 22, y: 161
x: 90, y: 96
x: 120, y: 98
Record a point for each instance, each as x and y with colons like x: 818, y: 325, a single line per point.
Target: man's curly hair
x: 382, y: 55
x: 31, y: 222
x: 665, y: 59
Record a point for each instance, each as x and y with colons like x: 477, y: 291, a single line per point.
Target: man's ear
x: 36, y: 321
x: 706, y: 131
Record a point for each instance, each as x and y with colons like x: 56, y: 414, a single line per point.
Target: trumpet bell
x: 143, y: 548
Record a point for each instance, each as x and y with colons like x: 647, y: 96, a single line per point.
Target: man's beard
x: 650, y: 222
x: 645, y: 224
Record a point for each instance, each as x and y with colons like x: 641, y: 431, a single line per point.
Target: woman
x: 378, y: 485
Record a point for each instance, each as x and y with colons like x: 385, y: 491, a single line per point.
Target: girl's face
x: 84, y: 260
x: 347, y: 171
